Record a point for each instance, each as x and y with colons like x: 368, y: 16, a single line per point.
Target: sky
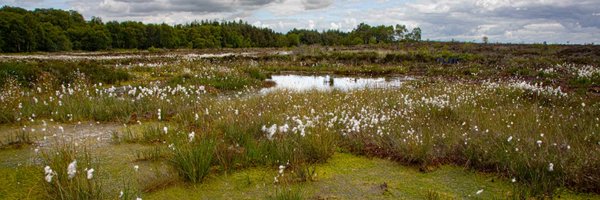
x: 515, y: 21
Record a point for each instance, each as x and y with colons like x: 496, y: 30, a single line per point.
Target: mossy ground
x: 344, y: 176
x: 448, y: 108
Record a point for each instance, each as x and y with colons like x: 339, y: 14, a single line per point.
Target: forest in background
x: 52, y: 30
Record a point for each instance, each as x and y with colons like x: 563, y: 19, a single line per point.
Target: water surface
x: 326, y: 82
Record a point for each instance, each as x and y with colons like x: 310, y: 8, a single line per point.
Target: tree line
x: 50, y: 30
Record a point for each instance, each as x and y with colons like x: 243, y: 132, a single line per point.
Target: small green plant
x: 147, y: 134
x: 17, y: 140
x: 256, y: 73
x: 287, y: 194
x: 193, y: 160
x: 155, y: 50
x: 158, y: 178
x: 69, y: 173
x: 128, y: 191
x: 432, y: 195
x: 304, y: 173
x: 154, y: 153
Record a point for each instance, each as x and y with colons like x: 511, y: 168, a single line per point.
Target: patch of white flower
x: 191, y: 136
x: 587, y: 71
x: 548, y: 71
x: 90, y: 173
x: 49, y: 173
x: 538, y: 88
x: 72, y: 169
x: 270, y: 131
x: 442, y: 101
x: 479, y: 192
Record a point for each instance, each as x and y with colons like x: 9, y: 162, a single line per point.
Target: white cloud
x: 545, y: 27
x: 316, y: 4
x: 334, y: 26
x: 114, y: 6
x: 311, y: 24
x: 501, y: 20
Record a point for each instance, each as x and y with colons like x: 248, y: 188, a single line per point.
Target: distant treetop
x: 58, y: 30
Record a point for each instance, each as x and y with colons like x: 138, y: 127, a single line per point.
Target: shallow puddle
x: 326, y: 82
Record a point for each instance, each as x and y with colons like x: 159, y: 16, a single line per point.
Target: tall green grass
x: 17, y: 139
x: 62, y: 184
x: 472, y: 130
x: 193, y: 160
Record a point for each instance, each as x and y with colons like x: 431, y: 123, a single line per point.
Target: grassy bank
x: 519, y: 132
x: 170, y: 127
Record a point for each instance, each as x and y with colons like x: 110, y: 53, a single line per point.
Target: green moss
x: 347, y: 176
x: 21, y: 182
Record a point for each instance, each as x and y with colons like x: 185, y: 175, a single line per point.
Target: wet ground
x: 44, y: 134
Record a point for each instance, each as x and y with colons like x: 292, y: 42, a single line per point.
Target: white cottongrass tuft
x: 284, y: 128
x: 270, y: 131
x: 479, y: 192
x: 49, y: 174
x: 281, y: 168
x: 90, y: 173
x: 538, y: 88
x: 72, y: 169
x: 279, y: 173
x: 587, y: 71
x: 191, y: 136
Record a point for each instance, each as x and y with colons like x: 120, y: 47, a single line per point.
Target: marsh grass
x: 70, y: 186
x: 424, y: 123
x: 17, y: 139
x: 154, y: 153
x: 304, y: 173
x: 287, y: 194
x: 240, y: 149
x: 160, y: 176
x: 149, y: 133
x: 222, y: 82
x: 433, y: 195
x: 193, y: 160
x: 128, y: 191
x: 29, y: 73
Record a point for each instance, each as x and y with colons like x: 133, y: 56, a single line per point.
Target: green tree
x: 363, y: 31
x: 58, y: 30
x: 1, y: 43
x: 51, y: 38
x: 293, y: 39
x: 399, y: 32
x: 414, y: 35
x: 19, y: 37
x: 333, y: 37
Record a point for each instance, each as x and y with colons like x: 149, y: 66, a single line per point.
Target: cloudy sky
x: 555, y: 21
